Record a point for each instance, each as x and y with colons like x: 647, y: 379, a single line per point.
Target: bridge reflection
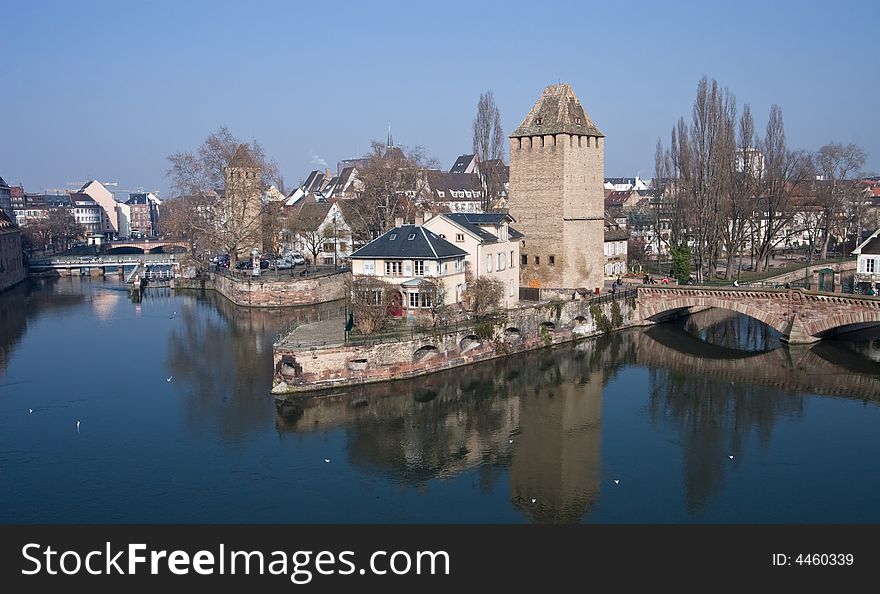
x: 539, y: 415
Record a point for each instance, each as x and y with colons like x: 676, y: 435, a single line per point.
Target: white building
x: 109, y: 224
x: 868, y: 266
x: 750, y: 159
x: 319, y: 226
x: 492, y: 246
x: 123, y: 218
x: 624, y: 184
x: 407, y: 255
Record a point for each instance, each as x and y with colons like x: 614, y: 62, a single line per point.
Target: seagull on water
x: 31, y: 411
x: 327, y: 460
x: 730, y: 456
x: 509, y: 441
x: 169, y: 378
x: 616, y: 481
x: 533, y: 500
x: 77, y: 426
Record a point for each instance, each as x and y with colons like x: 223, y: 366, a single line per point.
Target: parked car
x: 285, y: 263
x: 298, y: 258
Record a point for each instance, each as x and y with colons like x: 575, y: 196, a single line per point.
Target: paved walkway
x: 321, y: 333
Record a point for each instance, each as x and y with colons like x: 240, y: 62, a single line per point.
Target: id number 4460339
x: 819, y: 559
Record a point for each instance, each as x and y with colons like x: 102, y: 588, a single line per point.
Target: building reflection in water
x: 222, y: 354
x: 26, y: 302
x: 538, y: 416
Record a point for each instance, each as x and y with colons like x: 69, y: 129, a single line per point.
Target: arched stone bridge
x: 147, y: 245
x: 800, y: 316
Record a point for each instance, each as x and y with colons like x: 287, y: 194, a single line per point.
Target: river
x: 160, y: 412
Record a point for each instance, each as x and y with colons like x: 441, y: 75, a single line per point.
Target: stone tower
x: 557, y: 171
x: 242, y: 202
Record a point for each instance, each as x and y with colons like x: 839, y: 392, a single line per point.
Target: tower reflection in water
x: 538, y: 416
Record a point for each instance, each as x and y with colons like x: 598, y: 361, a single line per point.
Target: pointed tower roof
x: 243, y: 158
x: 558, y: 110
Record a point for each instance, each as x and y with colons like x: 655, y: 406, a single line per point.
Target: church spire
x: 390, y: 142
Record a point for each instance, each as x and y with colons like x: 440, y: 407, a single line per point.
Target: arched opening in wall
x: 512, y: 334
x: 580, y: 321
x: 548, y: 325
x: 158, y: 250
x: 424, y: 353
x: 357, y: 364
x: 471, y: 341
x: 288, y: 368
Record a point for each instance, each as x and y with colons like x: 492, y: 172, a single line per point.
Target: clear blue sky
x: 108, y: 89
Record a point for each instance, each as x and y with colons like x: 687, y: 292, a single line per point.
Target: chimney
x: 398, y: 221
x: 327, y: 175
x: 419, y: 219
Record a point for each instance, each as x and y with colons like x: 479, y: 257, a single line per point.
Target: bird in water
x: 31, y: 411
x: 169, y: 378
x: 77, y: 426
x: 327, y: 460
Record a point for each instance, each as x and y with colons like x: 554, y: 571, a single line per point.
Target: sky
x: 107, y: 90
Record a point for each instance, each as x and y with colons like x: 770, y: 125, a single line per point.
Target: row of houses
x: 93, y: 207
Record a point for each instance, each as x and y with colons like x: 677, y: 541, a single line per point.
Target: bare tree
x: 433, y: 294
x: 232, y: 222
x: 739, y: 204
x: 703, y: 158
x: 309, y: 230
x: 837, y: 164
x: 369, y: 299
x: 783, y: 171
x: 190, y: 219
x: 488, y: 145
x: 483, y: 293
x: 394, y: 183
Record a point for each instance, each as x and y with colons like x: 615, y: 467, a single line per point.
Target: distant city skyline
x: 103, y: 90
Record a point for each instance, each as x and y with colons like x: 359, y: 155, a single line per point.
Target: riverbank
x: 268, y: 291
x: 302, y: 366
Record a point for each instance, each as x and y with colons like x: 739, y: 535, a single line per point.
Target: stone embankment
x: 306, y: 366
x: 272, y: 291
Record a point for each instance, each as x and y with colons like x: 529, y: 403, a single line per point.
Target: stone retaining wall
x: 526, y: 328
x: 273, y: 293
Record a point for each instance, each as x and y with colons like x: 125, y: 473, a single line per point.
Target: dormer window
x: 577, y: 121
x: 392, y: 237
x: 538, y: 121
x: 411, y: 237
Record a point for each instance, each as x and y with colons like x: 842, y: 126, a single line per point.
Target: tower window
x: 538, y: 121
x: 577, y: 121
x: 524, y: 259
x: 552, y: 260
x: 537, y: 260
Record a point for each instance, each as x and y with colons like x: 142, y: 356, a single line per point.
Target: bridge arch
x: 663, y: 307
x: 843, y: 322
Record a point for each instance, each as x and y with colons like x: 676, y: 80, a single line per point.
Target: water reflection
x: 226, y: 357
x: 539, y: 415
x: 729, y: 329
x: 26, y: 302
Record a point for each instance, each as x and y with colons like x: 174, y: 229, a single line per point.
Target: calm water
x: 177, y: 424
